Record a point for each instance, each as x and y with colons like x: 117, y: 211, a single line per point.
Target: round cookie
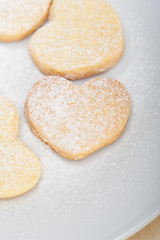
x: 82, y: 38
x: 20, y: 168
x: 19, y: 18
x: 76, y: 121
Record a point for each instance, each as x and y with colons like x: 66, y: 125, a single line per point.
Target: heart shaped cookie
x: 76, y: 121
x: 82, y: 38
x: 19, y: 18
x: 20, y: 168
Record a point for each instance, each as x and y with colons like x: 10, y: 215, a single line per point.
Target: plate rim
x: 143, y: 219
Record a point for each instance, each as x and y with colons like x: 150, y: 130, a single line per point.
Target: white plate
x: 115, y: 191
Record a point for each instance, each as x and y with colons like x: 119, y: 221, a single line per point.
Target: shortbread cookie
x: 82, y: 38
x: 76, y: 121
x: 19, y: 18
x: 19, y: 167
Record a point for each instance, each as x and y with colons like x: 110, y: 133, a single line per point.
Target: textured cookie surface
x: 19, y: 167
x: 82, y: 38
x: 76, y: 121
x: 19, y: 18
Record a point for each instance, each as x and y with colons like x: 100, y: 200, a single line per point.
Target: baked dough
x: 76, y: 121
x: 19, y: 18
x: 82, y: 38
x: 19, y: 167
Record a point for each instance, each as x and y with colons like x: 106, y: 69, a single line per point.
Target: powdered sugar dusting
x: 19, y: 167
x: 82, y: 38
x: 20, y: 16
x: 77, y: 120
